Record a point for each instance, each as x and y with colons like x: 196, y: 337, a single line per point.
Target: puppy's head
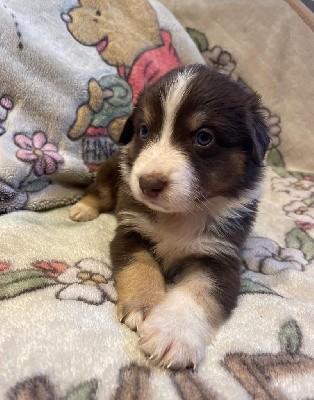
x: 194, y: 135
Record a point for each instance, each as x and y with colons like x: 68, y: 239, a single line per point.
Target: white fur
x: 176, y: 331
x: 177, y: 235
x: 82, y: 212
x: 180, y: 235
x: 162, y: 158
x: 175, y: 93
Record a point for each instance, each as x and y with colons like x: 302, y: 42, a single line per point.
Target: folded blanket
x: 59, y: 335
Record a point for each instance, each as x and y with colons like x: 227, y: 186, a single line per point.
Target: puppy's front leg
x: 139, y: 281
x: 101, y: 195
x: 177, y: 331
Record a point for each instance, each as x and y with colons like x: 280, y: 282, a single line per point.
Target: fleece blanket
x: 70, y: 73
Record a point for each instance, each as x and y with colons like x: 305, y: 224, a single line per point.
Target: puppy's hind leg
x: 101, y: 195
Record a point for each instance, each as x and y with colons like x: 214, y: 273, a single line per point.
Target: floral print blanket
x: 66, y: 87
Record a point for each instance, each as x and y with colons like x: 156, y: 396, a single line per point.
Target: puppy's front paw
x: 132, y: 313
x: 82, y: 212
x: 176, y: 332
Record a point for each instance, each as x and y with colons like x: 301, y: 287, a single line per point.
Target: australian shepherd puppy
x: 185, y: 188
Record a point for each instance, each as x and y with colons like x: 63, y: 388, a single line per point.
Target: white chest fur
x: 177, y: 236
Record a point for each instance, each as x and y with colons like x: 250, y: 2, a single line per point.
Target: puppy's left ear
x: 127, y: 131
x: 259, y: 136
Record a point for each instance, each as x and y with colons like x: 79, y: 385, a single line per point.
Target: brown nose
x: 152, y: 185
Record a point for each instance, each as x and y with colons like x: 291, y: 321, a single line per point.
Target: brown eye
x: 204, y: 137
x: 98, y: 13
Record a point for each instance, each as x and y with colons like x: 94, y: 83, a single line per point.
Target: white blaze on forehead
x: 162, y: 158
x: 175, y: 92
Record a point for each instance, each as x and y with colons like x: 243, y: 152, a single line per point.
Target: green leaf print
x: 199, y: 39
x: 290, y: 337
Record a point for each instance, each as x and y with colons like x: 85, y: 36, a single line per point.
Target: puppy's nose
x: 152, y: 185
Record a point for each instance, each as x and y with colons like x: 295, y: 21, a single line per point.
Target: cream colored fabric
x: 274, y: 52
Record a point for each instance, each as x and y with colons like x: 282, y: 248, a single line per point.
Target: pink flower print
x: 309, y: 178
x: 296, y: 188
x: 301, y: 212
x: 305, y: 226
x: 51, y: 268
x: 6, y: 104
x: 36, y: 150
x: 4, y: 266
x: 89, y: 281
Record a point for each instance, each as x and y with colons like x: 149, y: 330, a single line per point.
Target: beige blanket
x: 59, y: 336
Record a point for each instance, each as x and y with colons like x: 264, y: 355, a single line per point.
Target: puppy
x: 185, y: 188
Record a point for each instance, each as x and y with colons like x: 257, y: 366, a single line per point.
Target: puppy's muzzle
x: 152, y: 185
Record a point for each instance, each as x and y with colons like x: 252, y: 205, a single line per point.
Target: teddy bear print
x: 109, y: 98
x: 95, y: 23
x: 139, y: 50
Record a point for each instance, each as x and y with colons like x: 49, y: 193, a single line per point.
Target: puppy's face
x: 194, y: 135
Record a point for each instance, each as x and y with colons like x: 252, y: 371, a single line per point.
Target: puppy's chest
x: 173, y: 237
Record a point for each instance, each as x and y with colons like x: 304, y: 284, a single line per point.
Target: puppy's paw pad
x: 175, y: 335
x: 82, y: 212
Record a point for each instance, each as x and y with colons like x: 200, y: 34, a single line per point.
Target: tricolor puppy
x: 185, y: 188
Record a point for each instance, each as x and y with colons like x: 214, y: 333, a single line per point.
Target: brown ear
x: 261, y: 140
x: 259, y: 132
x: 127, y: 131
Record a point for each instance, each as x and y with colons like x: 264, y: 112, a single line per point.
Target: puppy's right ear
x: 127, y: 131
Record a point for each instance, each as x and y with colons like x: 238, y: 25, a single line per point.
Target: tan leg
x: 88, y: 208
x: 140, y: 286
x: 101, y: 195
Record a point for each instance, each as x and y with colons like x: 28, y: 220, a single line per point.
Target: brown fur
x: 102, y: 194
x: 193, y: 251
x: 140, y: 285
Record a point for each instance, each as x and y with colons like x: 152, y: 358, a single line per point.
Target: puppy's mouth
x: 165, y: 203
x: 156, y: 204
x: 102, y: 44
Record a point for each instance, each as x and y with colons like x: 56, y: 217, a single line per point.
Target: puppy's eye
x: 98, y: 13
x: 144, y: 131
x: 204, y: 137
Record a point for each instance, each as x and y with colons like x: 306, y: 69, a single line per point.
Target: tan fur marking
x: 87, y: 209
x: 140, y: 285
x: 106, y: 200
x: 196, y: 120
x: 148, y: 114
x: 102, y: 203
x: 96, y: 202
x: 237, y: 167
